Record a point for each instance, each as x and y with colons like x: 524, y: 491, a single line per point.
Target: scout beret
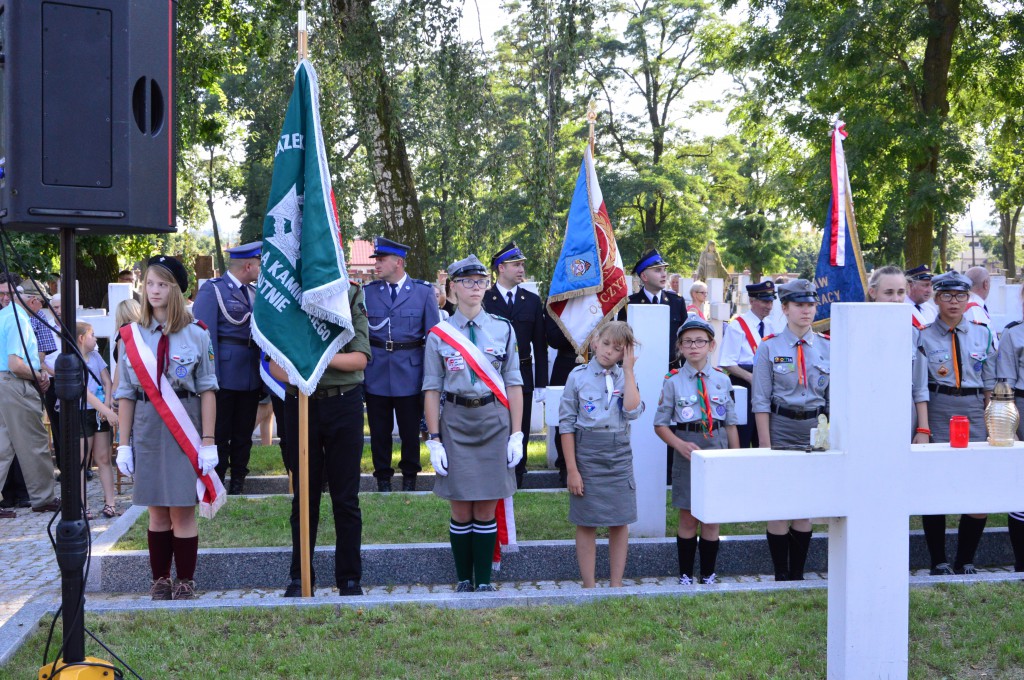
x: 177, y: 269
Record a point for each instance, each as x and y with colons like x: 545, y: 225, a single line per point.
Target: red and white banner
x: 474, y: 357
x: 842, y: 203
x: 209, y: 489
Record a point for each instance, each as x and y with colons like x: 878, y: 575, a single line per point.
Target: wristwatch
x: 431, y: 436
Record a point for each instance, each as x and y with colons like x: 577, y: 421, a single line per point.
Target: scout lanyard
x: 746, y: 331
x: 474, y: 357
x: 209, y: 489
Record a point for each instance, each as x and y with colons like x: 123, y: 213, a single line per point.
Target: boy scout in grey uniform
x: 961, y: 374
x: 791, y: 377
x: 475, y: 427
x: 1010, y: 367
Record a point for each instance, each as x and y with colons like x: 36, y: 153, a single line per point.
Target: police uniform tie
x: 760, y: 329
x: 163, y: 353
x: 472, y: 339
x: 654, y: 300
x: 801, y: 367
x: 394, y: 291
x: 707, y: 419
x: 508, y: 299
x: 956, y: 356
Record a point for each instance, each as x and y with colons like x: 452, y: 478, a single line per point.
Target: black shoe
x: 24, y: 503
x: 237, y: 486
x: 782, y: 576
x: 7, y: 503
x: 351, y: 587
x: 408, y: 482
x: 294, y: 589
x: 384, y: 485
x: 942, y: 569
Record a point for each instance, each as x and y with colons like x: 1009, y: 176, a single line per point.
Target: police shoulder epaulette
x: 421, y: 281
x: 1011, y: 325
x: 671, y: 373
x: 201, y: 324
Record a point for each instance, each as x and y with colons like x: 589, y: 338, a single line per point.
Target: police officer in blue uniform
x: 652, y: 269
x: 507, y: 299
x: 400, y: 310
x: 224, y: 304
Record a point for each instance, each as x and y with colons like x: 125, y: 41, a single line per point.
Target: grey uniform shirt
x: 1011, y: 357
x: 777, y: 378
x: 977, y: 358
x: 919, y: 372
x: 190, y: 367
x: 587, y: 404
x: 446, y: 370
x: 680, y: 400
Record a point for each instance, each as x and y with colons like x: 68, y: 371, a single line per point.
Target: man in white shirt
x: 740, y: 341
x: 919, y: 294
x: 981, y: 285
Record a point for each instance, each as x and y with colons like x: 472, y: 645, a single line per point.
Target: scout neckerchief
x: 746, y: 331
x: 490, y: 376
x: 707, y: 419
x: 209, y: 489
x: 801, y: 367
x: 956, y: 355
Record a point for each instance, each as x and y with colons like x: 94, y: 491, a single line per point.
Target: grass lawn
x: 956, y: 631
x: 401, y: 518
x: 266, y: 460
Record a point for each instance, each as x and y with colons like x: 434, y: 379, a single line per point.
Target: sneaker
x: 184, y: 589
x: 967, y: 569
x: 709, y: 580
x: 685, y: 580
x: 487, y: 588
x: 942, y: 569
x: 464, y: 587
x: 161, y: 589
x: 350, y: 588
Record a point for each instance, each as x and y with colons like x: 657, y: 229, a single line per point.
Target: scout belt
x: 955, y: 391
x: 473, y: 402
x: 182, y: 394
x: 695, y: 426
x: 323, y: 393
x: 799, y: 414
x: 390, y: 346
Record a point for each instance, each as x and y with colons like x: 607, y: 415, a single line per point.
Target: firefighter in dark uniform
x: 224, y: 304
x: 400, y: 310
x: 526, y: 312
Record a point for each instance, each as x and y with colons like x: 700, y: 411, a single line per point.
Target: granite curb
x: 431, y: 563
x: 20, y: 626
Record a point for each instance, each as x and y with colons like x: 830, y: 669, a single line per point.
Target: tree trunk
x: 374, y: 102
x: 94, y: 273
x: 1008, y: 238
x: 213, y: 219
x: 938, y: 54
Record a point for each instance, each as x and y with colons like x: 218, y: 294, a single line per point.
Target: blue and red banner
x: 839, y: 275
x: 588, y: 284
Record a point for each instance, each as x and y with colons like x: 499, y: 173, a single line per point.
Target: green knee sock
x: 485, y: 533
x: 461, y: 535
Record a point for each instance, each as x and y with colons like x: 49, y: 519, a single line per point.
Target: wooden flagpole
x: 305, y: 556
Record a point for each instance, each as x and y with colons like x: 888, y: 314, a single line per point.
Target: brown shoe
x: 7, y: 514
x: 52, y: 506
x: 161, y: 589
x: 184, y: 590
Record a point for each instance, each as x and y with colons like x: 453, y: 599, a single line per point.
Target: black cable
x: 111, y: 653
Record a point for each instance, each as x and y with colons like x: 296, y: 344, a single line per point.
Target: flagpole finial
x: 303, y: 33
x: 592, y: 120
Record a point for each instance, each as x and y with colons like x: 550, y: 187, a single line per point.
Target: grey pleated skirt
x: 681, y: 495
x: 790, y: 433
x: 476, y: 442
x: 605, y: 462
x: 941, y: 407
x: 164, y: 477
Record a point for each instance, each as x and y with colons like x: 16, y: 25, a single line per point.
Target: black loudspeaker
x: 87, y: 115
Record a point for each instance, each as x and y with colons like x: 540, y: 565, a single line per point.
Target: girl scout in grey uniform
x: 599, y: 400
x: 165, y: 480
x: 1010, y: 367
x: 961, y: 358
x: 695, y: 411
x: 790, y: 391
x: 474, y: 442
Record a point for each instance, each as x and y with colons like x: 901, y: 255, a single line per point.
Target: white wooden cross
x: 870, y: 484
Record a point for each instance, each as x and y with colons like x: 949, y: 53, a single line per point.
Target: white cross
x: 870, y: 484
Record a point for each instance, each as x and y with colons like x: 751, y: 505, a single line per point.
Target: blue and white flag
x: 275, y: 386
x: 839, y: 275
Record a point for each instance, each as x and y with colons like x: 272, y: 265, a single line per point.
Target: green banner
x: 302, y: 317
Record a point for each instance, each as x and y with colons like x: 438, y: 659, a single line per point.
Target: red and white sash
x: 474, y: 357
x: 746, y: 331
x: 209, y: 489
x: 481, y: 366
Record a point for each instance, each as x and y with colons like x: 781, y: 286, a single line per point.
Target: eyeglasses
x: 949, y: 297
x: 473, y: 283
x: 700, y: 342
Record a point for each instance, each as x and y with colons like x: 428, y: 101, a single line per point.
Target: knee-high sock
x: 686, y: 548
x: 935, y: 537
x: 461, y: 535
x: 778, y: 545
x: 160, y: 553
x: 968, y: 538
x: 708, y: 556
x: 1015, y: 524
x: 485, y: 533
x: 186, y: 553
x: 799, y: 542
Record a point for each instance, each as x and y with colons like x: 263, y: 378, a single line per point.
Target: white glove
x: 514, y: 453
x: 438, y: 457
x: 539, y: 395
x: 126, y: 460
x: 208, y: 458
